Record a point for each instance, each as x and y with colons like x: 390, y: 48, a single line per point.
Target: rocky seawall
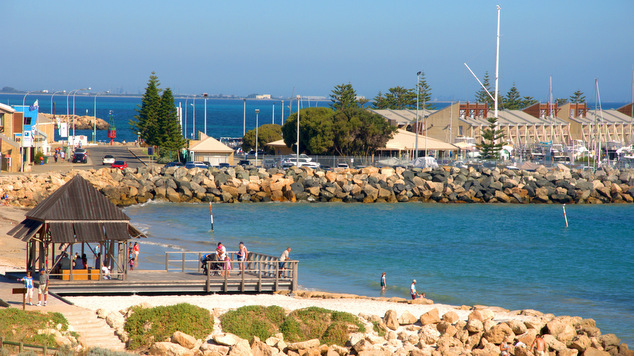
x: 477, y: 330
x: 81, y: 122
x: 368, y: 185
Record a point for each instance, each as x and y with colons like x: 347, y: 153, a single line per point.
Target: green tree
x: 528, y: 101
x: 513, y: 99
x: 399, y: 98
x: 266, y: 134
x: 577, y: 97
x: 560, y: 101
x: 481, y: 95
x: 146, y: 121
x: 360, y: 132
x: 171, y: 138
x: 492, y: 140
x: 379, y: 102
x: 315, y: 130
x: 343, y: 97
x: 424, y: 93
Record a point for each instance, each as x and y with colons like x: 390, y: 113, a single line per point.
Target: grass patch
x: 22, y: 326
x: 147, y: 325
x: 378, y: 329
x: 253, y: 320
x: 330, y: 327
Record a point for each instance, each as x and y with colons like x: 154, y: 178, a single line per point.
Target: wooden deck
x: 184, y: 275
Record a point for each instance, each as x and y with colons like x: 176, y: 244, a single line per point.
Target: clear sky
x: 275, y: 47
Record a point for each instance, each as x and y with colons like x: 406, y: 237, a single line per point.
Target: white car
x: 108, y: 159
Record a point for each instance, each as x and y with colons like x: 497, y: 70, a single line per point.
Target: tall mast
x: 550, y: 105
x: 497, y: 64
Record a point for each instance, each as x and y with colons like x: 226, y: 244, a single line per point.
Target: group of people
x: 412, y: 288
x: 42, y: 288
x: 59, y: 153
x: 222, y: 256
x: 133, y: 255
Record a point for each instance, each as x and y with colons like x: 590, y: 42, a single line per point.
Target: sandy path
x: 13, y: 251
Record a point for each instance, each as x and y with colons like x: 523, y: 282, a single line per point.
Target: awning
x: 26, y: 229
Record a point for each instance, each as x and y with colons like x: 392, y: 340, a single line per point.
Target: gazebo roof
x: 77, y: 212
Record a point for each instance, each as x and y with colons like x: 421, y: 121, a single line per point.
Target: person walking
x: 412, y: 290
x: 283, y: 259
x: 383, y: 285
x: 42, y: 288
x: 28, y: 284
x: 242, y: 256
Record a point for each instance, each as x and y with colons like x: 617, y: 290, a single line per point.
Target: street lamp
x: 282, y: 121
x: 205, y: 127
x: 75, y: 92
x: 297, y: 161
x: 273, y: 115
x: 417, y: 100
x: 23, y: 117
x: 94, y: 134
x: 257, y: 112
x: 194, y: 118
x: 185, y: 121
x: 61, y: 91
x: 244, y: 118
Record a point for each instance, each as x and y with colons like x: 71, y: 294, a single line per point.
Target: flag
x: 35, y: 106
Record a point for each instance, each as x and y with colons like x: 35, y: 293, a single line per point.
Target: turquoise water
x: 516, y: 257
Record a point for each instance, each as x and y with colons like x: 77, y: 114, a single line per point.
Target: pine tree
x: 578, y: 97
x: 171, y: 137
x: 492, y: 140
x: 513, y: 99
x: 379, y: 102
x: 481, y: 95
x: 424, y: 93
x: 145, y: 123
x: 343, y: 97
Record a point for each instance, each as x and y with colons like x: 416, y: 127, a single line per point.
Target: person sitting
x: 65, y: 261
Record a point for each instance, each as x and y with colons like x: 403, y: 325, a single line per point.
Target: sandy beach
x: 13, y: 250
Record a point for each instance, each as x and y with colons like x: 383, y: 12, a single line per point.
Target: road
x: 120, y: 153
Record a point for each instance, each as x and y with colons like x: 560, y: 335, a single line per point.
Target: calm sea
x: 513, y: 256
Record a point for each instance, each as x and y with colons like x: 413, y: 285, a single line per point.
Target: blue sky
x: 245, y: 47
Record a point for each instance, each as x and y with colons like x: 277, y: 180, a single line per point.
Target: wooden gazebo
x: 76, y: 214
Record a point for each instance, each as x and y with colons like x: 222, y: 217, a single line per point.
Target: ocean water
x: 513, y: 256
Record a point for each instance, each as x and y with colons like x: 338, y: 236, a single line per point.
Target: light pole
x: 205, y: 126
x: 273, y: 115
x: 75, y: 92
x: 194, y: 117
x: 52, y: 113
x: 22, y: 140
x: 244, y: 118
x: 94, y: 134
x: 185, y: 122
x: 282, y: 121
x: 257, y: 112
x: 417, y: 99
x: 297, y: 159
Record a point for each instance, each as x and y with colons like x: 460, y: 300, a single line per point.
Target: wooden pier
x: 183, y: 274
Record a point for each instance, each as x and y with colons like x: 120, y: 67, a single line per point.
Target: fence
x: 22, y: 345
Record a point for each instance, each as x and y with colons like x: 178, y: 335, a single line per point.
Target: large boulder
x: 391, y: 320
x: 429, y: 334
x: 562, y: 329
x: 407, y: 318
x: 169, y: 349
x: 451, y: 317
x: 183, y: 339
x: 498, y: 333
x: 431, y: 317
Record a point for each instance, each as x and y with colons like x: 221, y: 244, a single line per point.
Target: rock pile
x: 480, y: 333
x: 368, y: 185
x: 81, y: 122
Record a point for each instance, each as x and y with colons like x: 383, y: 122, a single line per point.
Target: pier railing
x: 265, y: 268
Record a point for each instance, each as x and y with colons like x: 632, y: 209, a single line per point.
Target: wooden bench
x: 81, y: 274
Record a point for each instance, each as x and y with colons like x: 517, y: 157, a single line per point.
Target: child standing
x: 28, y: 284
x: 131, y: 256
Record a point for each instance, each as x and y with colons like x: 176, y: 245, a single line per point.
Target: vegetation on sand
x: 147, y: 325
x: 22, y: 326
x: 330, y: 327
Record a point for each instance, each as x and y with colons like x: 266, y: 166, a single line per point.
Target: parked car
x: 343, y: 165
x: 80, y: 155
x: 119, y: 164
x: 174, y: 164
x: 244, y: 162
x: 108, y: 159
x: 195, y: 164
x: 224, y: 165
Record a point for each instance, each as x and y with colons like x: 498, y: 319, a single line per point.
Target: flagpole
x: 211, y: 216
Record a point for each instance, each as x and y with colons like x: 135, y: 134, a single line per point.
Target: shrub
x: 22, y: 326
x: 147, y: 325
x: 253, y: 320
x: 98, y: 351
x: 330, y: 327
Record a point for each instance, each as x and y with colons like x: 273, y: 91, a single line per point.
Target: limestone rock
x: 498, y: 333
x: 431, y: 317
x: 241, y: 348
x: 303, y: 345
x: 391, y: 320
x: 170, y: 349
x: 184, y: 340
x: 429, y: 334
x: 450, y: 317
x: 115, y: 320
x: 407, y: 318
x: 226, y: 339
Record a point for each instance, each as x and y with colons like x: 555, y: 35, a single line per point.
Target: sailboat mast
x: 550, y: 105
x: 497, y: 63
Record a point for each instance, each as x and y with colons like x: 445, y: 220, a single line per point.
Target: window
x: 460, y: 130
x: 27, y: 120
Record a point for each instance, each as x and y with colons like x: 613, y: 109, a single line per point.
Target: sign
x: 63, y: 129
x: 27, y: 138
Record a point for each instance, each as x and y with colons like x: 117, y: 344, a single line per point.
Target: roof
x: 514, y: 118
x: 402, y: 117
x: 606, y: 117
x: 9, y: 141
x: 210, y: 144
x: 7, y: 108
x: 278, y: 143
x: 77, y: 212
x: 405, y: 140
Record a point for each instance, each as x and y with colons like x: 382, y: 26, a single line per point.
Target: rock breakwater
x: 368, y: 185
